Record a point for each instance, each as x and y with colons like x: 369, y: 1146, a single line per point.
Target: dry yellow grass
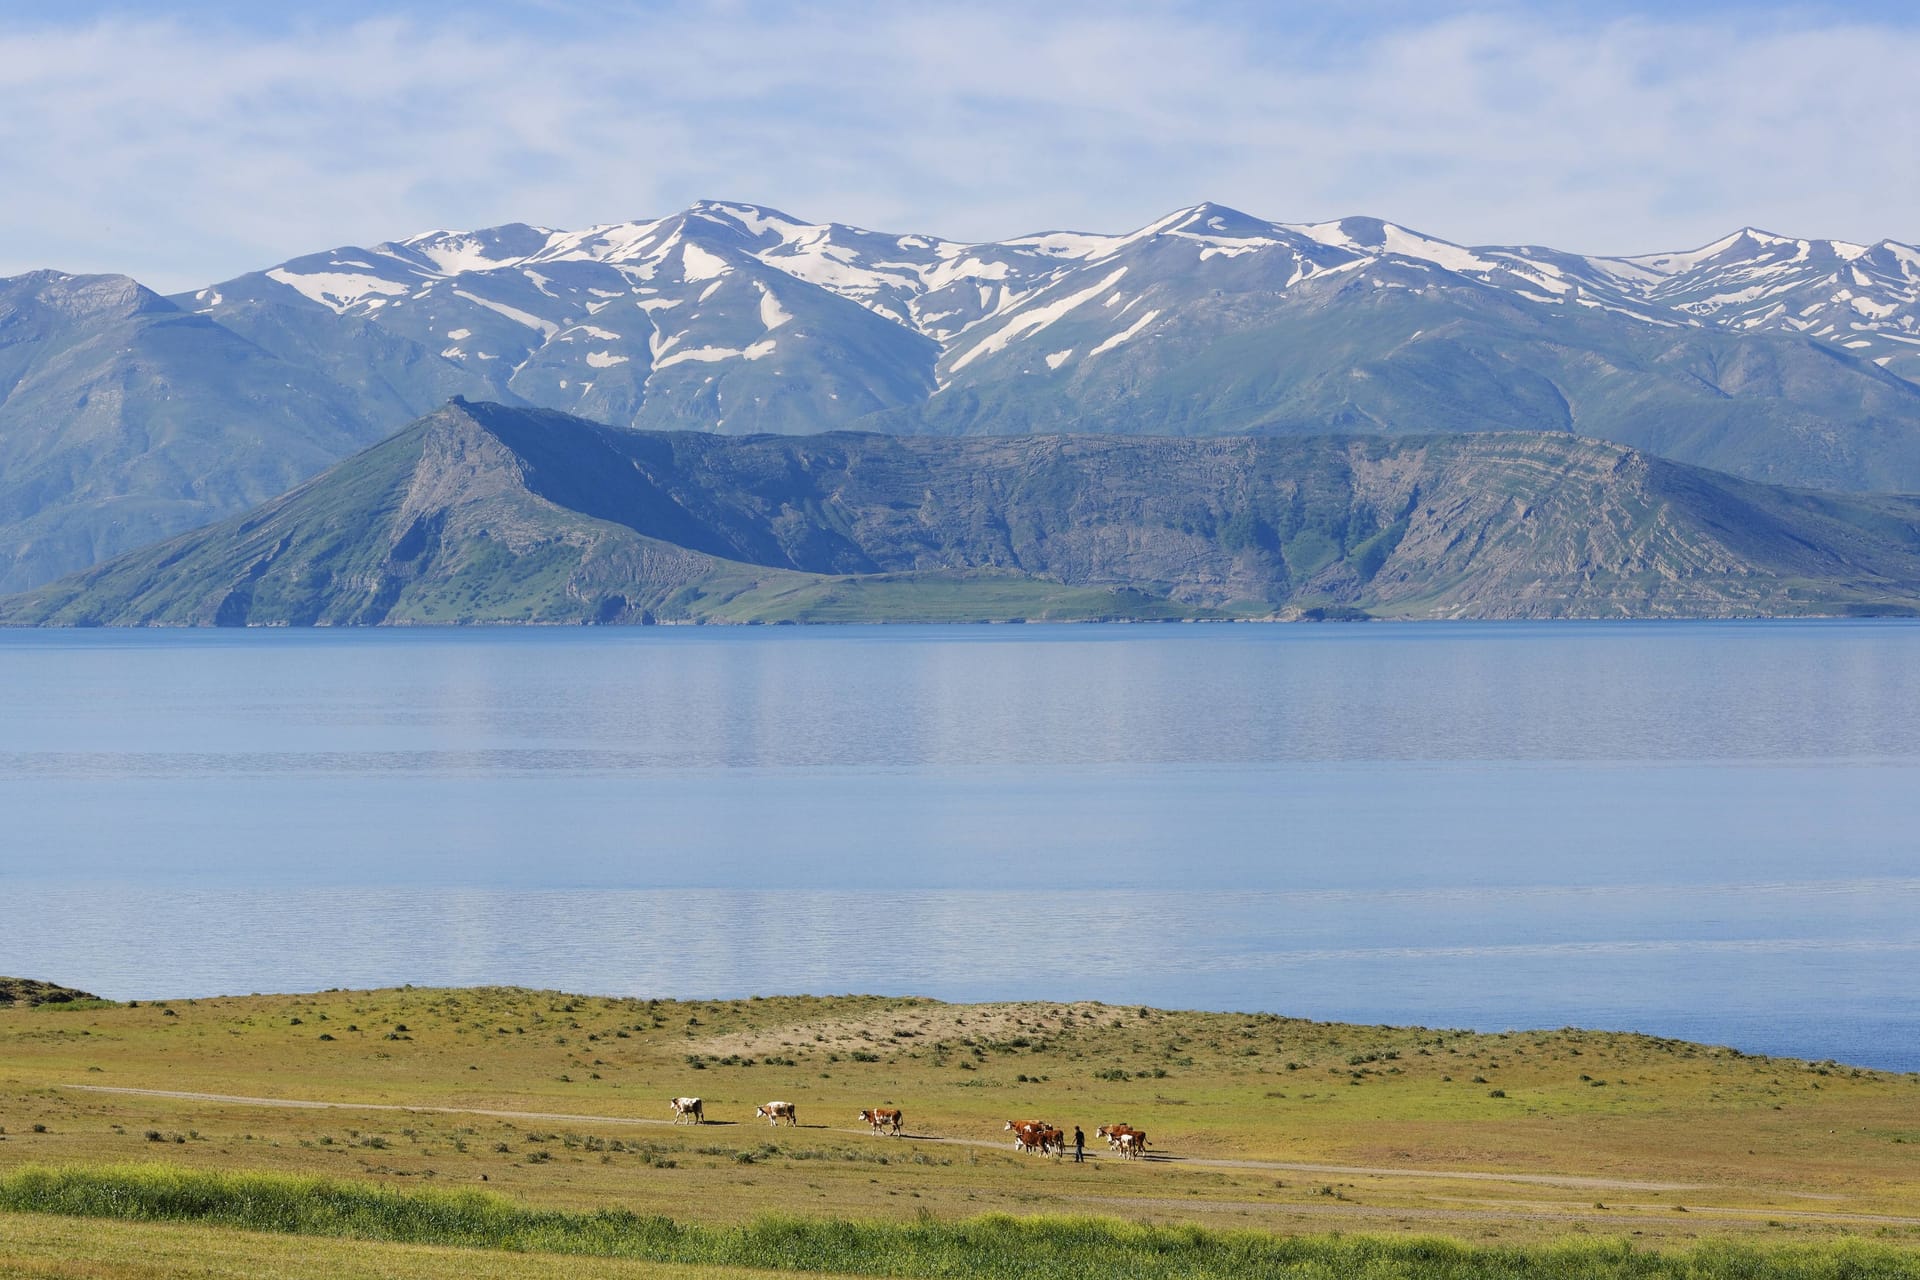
x: 1259, y: 1121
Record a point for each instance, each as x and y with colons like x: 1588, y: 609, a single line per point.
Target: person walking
x: 1079, y: 1146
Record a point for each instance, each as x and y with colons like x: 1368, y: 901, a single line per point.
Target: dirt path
x: 1570, y: 1181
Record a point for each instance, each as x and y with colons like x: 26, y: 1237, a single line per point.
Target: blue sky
x: 190, y: 142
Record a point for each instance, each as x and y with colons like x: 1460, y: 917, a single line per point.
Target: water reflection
x: 1693, y: 829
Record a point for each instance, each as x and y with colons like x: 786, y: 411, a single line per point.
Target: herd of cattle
x: 1041, y: 1138
x: 1033, y: 1136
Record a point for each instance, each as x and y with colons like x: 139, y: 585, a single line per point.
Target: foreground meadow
x: 559, y: 1104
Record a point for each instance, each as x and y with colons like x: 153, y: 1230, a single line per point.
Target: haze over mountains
x: 125, y: 417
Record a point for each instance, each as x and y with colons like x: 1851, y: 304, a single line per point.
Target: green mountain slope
x: 484, y: 513
x: 124, y: 419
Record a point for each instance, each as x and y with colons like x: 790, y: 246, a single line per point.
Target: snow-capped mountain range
x: 592, y: 321
x: 125, y: 416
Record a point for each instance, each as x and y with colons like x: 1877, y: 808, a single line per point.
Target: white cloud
x: 184, y: 153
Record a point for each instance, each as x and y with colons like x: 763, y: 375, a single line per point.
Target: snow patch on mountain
x: 713, y: 355
x: 1071, y: 244
x: 1033, y: 321
x: 546, y: 328
x: 1125, y: 334
x: 772, y: 314
x: 335, y: 290
x: 697, y: 264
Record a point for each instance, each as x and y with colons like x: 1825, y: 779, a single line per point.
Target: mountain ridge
x: 936, y: 263
x: 740, y: 318
x: 484, y: 513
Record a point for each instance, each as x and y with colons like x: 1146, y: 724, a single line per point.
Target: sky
x: 187, y: 143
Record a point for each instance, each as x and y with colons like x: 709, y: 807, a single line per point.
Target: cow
x: 1025, y: 1133
x: 1037, y: 1135
x: 1133, y: 1144
x: 687, y: 1109
x: 883, y: 1118
x: 1124, y: 1138
x: 775, y: 1112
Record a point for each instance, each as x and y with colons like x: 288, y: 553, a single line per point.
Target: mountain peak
x: 1208, y: 219
x: 454, y: 252
x: 743, y: 212
x: 80, y: 297
x: 1677, y: 263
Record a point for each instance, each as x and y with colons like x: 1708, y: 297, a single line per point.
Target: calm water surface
x: 1703, y: 830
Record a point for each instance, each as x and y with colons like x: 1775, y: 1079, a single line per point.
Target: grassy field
x: 1042, y: 1247
x: 560, y: 1103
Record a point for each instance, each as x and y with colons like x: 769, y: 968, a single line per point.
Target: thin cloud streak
x: 184, y: 154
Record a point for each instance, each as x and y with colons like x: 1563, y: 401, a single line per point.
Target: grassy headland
x: 1279, y: 1126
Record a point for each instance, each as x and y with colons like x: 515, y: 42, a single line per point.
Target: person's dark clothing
x: 1079, y: 1146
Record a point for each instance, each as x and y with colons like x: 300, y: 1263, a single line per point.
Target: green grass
x: 968, y: 596
x: 991, y: 1246
x: 36, y: 994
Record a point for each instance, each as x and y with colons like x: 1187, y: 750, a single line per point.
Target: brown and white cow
x: 1124, y: 1138
x: 1026, y: 1133
x: 775, y: 1112
x: 887, y: 1118
x: 688, y: 1109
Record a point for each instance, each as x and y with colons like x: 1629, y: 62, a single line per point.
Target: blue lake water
x: 1700, y: 830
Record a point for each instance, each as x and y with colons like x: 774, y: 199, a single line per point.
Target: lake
x: 1701, y: 830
